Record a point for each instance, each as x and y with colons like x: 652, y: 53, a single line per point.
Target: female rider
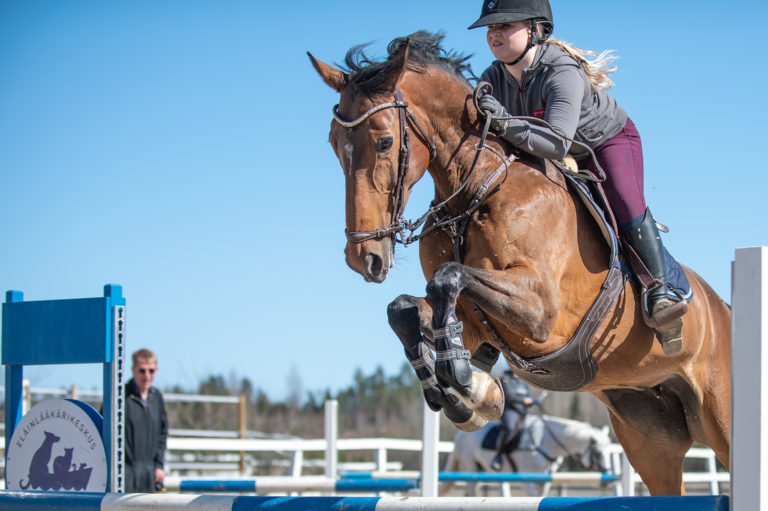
x: 540, y: 77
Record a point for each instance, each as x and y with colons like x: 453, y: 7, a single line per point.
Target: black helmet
x: 507, y: 11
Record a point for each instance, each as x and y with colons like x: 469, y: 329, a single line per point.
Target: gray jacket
x: 146, y: 434
x: 557, y: 90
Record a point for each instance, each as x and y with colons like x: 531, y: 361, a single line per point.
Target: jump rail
x: 370, y: 484
x: 589, y: 478
x: 280, y: 484
x: 46, y: 501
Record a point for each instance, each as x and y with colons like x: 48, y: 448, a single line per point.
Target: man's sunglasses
x: 144, y: 370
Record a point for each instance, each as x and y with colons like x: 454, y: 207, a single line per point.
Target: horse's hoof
x: 485, y: 396
x: 491, y: 406
x: 473, y: 424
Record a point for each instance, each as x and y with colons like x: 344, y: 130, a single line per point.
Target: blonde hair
x: 144, y: 354
x: 597, y: 66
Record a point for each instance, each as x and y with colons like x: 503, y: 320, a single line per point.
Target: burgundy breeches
x: 621, y: 157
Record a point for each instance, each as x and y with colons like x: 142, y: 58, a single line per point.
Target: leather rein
x: 404, y: 231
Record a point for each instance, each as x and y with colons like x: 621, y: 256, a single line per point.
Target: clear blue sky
x: 179, y: 148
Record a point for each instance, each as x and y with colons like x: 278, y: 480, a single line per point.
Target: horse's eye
x: 383, y: 144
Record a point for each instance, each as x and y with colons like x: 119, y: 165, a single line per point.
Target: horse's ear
x: 335, y: 78
x: 398, y: 64
x: 606, y: 430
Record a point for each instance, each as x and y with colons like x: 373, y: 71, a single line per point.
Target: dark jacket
x: 557, y: 90
x: 146, y: 433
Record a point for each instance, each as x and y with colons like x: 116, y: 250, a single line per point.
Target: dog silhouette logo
x: 41, y: 478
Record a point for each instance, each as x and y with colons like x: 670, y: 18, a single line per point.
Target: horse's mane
x: 424, y: 49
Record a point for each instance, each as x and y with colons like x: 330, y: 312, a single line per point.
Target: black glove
x: 491, y: 107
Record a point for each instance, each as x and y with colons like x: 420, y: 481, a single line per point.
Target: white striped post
x: 749, y: 380
x: 429, y: 452
x: 331, y: 437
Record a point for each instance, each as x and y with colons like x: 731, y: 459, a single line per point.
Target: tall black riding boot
x: 662, y: 314
x: 496, y: 462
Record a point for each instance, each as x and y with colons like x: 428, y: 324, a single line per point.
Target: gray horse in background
x: 544, y: 443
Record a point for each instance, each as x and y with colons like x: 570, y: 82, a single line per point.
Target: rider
x: 517, y: 400
x: 546, y: 78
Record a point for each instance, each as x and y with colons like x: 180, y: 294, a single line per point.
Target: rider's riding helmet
x: 507, y: 11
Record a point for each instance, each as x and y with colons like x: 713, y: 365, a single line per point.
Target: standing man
x: 146, y: 427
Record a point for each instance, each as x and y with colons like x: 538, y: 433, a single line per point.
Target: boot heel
x: 665, y: 311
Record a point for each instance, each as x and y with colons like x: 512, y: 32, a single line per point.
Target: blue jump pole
x: 46, y: 501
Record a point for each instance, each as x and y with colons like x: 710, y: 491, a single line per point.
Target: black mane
x: 369, y: 76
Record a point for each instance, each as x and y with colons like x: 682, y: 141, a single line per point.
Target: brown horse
x: 532, y: 261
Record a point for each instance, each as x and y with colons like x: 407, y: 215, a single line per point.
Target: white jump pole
x: 429, y: 453
x: 331, y: 438
x: 749, y: 380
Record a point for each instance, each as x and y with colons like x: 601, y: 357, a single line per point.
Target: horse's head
x: 597, y: 455
x: 381, y: 136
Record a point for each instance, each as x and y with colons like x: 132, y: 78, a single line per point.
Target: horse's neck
x: 561, y: 433
x: 456, y: 128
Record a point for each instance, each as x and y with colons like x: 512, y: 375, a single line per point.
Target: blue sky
x: 180, y: 148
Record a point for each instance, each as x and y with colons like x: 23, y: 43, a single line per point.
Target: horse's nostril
x: 373, y: 264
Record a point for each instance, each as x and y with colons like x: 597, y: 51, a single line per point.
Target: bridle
x: 398, y: 224
x: 401, y: 230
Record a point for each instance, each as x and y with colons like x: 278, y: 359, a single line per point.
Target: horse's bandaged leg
x: 405, y: 319
x: 452, y: 360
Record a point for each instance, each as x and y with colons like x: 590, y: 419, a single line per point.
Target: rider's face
x: 508, y: 40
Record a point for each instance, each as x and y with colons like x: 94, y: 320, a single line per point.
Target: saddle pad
x: 677, y: 279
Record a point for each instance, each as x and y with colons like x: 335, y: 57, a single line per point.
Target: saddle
x: 493, y: 437
x: 572, y: 366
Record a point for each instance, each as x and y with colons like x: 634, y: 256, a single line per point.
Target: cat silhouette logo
x: 57, y: 446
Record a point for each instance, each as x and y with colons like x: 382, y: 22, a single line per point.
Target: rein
x: 404, y: 231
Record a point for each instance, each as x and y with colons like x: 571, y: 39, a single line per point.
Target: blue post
x: 113, y: 295
x: 76, y: 331
x: 14, y: 375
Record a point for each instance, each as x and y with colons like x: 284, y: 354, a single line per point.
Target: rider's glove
x: 491, y: 107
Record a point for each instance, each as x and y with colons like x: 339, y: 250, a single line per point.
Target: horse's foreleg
x: 405, y: 315
x: 481, y: 392
x: 510, y: 296
x: 408, y: 317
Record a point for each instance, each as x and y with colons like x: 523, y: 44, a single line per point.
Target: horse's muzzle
x: 374, y: 263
